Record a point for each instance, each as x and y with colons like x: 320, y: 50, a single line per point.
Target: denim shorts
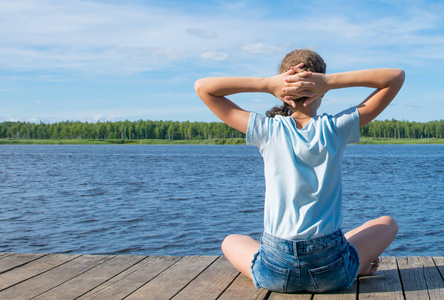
x: 323, y: 264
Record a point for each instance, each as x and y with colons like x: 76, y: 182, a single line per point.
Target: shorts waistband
x: 301, y: 247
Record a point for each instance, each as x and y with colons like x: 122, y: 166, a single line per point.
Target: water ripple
x: 183, y: 200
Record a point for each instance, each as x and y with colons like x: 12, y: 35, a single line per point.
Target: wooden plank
x: 170, y: 282
x: 17, y: 259
x: 58, y: 276
x: 54, y: 277
x: 421, y: 278
x: 211, y: 282
x: 439, y: 262
x: 92, y: 278
x: 279, y: 296
x: 4, y: 254
x: 243, y: 288
x: 414, y: 285
x: 384, y: 284
x: 131, y: 279
x: 348, y: 294
x: 435, y: 283
x: 32, y: 269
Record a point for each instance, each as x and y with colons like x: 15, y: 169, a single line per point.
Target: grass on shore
x: 231, y: 141
x: 391, y: 141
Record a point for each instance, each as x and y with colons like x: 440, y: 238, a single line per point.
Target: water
x: 183, y: 200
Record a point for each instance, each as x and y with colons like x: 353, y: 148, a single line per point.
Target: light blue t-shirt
x: 303, y: 174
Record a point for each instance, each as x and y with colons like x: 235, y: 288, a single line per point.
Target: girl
x: 302, y: 247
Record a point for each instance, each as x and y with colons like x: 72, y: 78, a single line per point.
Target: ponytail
x: 284, y: 110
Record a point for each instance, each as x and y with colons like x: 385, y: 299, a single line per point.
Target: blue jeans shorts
x: 323, y: 264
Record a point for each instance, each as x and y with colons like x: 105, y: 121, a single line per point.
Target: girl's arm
x: 212, y: 91
x: 387, y: 82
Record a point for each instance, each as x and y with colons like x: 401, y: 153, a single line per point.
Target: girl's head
x: 312, y: 62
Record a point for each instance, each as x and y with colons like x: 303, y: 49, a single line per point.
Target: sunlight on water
x: 180, y: 200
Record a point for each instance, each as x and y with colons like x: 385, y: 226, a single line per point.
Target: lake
x: 184, y: 199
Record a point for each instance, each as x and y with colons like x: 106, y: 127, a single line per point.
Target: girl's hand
x: 317, y: 88
x: 293, y: 84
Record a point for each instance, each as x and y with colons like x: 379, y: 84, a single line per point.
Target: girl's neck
x: 301, y: 118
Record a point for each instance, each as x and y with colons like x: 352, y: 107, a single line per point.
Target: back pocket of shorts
x: 272, y: 277
x: 330, y: 277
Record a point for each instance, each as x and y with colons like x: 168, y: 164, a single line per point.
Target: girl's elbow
x: 400, y: 76
x: 198, y: 85
x: 396, y: 78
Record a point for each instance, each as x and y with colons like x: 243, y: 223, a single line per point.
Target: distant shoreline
x: 392, y: 141
x: 232, y: 141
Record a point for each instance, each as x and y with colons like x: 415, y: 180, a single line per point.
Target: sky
x: 97, y: 60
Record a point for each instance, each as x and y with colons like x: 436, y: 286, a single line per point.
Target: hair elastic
x: 286, y: 111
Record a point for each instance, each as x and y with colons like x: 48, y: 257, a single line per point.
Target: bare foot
x: 371, y: 268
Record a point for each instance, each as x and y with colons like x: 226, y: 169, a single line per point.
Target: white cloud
x: 260, y: 48
x: 88, y: 36
x: 98, y: 117
x: 117, y: 38
x: 213, y: 55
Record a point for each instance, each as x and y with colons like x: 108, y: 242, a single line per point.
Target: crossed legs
x: 370, y: 239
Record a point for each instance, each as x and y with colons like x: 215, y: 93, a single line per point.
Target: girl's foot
x: 371, y: 268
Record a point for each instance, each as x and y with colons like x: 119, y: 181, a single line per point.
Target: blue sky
x: 129, y: 60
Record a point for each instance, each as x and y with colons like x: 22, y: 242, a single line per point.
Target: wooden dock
x: 62, y: 276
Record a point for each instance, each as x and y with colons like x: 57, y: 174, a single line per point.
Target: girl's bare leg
x: 371, y: 239
x: 240, y: 250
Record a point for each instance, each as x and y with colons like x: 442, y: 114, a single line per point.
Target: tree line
x: 403, y: 129
x: 125, y: 130
x: 173, y: 130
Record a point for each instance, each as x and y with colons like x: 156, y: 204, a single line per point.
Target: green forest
x: 173, y: 130
x: 124, y: 130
